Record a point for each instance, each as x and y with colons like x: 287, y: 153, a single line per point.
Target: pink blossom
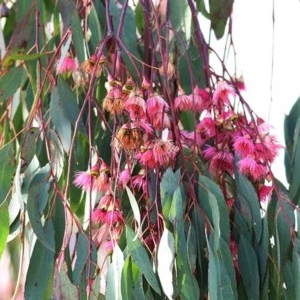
x: 103, y: 181
x: 67, y: 65
x: 209, y: 152
x: 243, y: 146
x: 249, y: 167
x: 206, y: 128
x: 136, y: 106
x: 164, y: 152
x: 264, y: 192
x: 146, y: 156
x: 114, y: 217
x: 85, y: 179
x: 221, y: 161
x: 109, y: 203
x: 140, y: 182
x: 124, y: 177
x: 182, y: 102
x: 222, y: 93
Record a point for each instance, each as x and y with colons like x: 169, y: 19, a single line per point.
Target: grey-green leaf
x: 7, y: 170
x: 141, y: 259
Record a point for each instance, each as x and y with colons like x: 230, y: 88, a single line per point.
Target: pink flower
x: 164, y: 152
x: 222, y: 93
x: 124, y: 177
x: 243, y: 146
x: 249, y: 167
x: 157, y: 109
x: 197, y: 101
x: 158, y: 154
x: 67, y: 65
x: 209, y: 152
x: 222, y: 161
x: 156, y: 104
x: 109, y: 203
x: 85, y: 179
x: 114, y: 217
x: 136, y: 106
x: 103, y: 181
x: 206, y: 128
x: 264, y: 192
x: 146, y: 156
x: 140, y: 182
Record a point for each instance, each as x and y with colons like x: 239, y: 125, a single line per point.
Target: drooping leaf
x: 221, y: 285
x: 77, y: 36
x: 113, y: 279
x: 140, y: 257
x: 11, y: 81
x: 212, y: 201
x: 36, y: 203
x: 64, y: 289
x: 165, y: 262
x: 41, y: 265
x: 190, y: 69
x: 4, y: 225
x: 248, y: 261
x: 59, y: 119
x: 82, y: 251
x: 186, y: 282
x: 168, y: 185
x: 28, y: 148
x: 220, y: 11
x: 135, y: 209
x: 7, y: 169
x: 248, y: 203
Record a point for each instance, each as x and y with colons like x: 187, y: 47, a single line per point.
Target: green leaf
x: 77, y: 36
x: 82, y: 251
x: 59, y: 119
x: 296, y: 268
x: 64, y: 289
x: 140, y: 257
x: 284, y: 220
x: 4, y: 225
x: 10, y: 82
x: 28, y: 148
x: 186, y: 282
x: 248, y: 203
x: 262, y: 249
x: 129, y: 40
x: 40, y: 266
x: 135, y: 209
x: 190, y: 69
x: 181, y: 17
x: 7, y: 170
x: 127, y: 282
x: 248, y: 261
x: 36, y: 203
x: 95, y: 27
x: 220, y: 11
x: 165, y: 262
x: 176, y: 209
x: 58, y: 218
x: 69, y: 104
x: 168, y: 185
x: 221, y: 285
x: 114, y: 273
x: 212, y: 201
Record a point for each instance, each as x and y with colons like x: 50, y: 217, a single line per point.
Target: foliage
x: 129, y: 168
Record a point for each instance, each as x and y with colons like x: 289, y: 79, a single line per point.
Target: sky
x: 268, y: 58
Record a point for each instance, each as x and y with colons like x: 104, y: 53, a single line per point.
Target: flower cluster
x: 228, y: 139
x: 107, y: 216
